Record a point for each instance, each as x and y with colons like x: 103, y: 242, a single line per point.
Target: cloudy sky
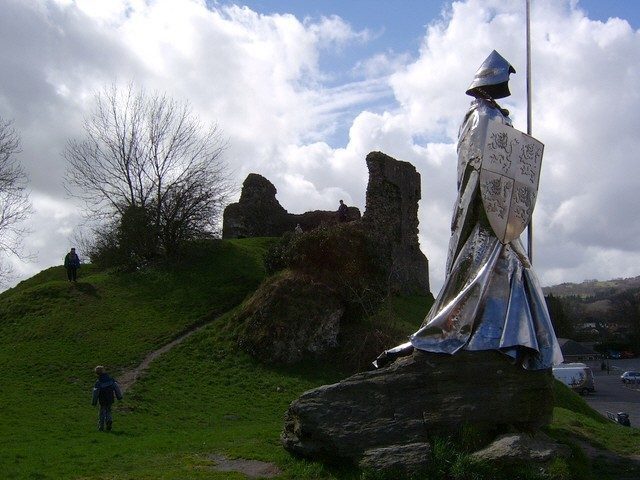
x: 304, y: 90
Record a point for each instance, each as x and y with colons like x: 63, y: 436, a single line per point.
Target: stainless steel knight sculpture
x: 491, y: 298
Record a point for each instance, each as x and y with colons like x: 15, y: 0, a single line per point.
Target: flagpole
x: 529, y: 129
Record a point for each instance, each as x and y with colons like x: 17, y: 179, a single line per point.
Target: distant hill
x: 592, y: 288
x: 602, y: 311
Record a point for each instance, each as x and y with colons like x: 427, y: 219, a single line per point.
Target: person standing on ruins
x: 343, y: 212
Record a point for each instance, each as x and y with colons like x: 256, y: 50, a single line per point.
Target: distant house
x: 576, y: 352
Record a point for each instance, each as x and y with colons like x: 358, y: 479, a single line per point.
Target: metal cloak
x: 491, y: 298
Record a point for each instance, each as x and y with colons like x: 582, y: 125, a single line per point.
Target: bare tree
x: 14, y: 198
x: 149, y: 153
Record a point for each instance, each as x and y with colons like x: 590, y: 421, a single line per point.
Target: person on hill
x: 343, y: 212
x: 105, y: 391
x: 71, y: 264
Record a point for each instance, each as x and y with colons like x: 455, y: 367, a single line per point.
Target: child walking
x: 105, y: 391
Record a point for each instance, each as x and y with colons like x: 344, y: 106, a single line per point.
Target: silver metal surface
x: 509, y: 177
x: 529, y: 116
x: 491, y: 299
x: 492, y: 77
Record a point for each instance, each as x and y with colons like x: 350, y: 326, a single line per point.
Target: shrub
x: 128, y: 243
x: 275, y: 259
x: 341, y: 256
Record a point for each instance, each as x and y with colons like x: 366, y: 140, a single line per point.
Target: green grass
x: 52, y: 333
x: 203, y: 397
x: 577, y: 424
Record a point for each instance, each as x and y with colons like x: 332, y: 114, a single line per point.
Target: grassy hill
x: 202, y: 398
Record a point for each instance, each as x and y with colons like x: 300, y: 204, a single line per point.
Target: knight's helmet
x: 492, y: 77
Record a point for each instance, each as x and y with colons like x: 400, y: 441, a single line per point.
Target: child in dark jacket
x: 105, y: 390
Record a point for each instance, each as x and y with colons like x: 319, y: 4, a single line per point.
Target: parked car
x: 630, y: 377
x: 577, y: 376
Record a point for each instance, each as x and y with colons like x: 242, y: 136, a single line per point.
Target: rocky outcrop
x: 391, y: 215
x: 416, y: 398
x: 326, y: 280
x: 290, y: 317
x: 413, y: 460
x: 259, y: 214
x: 518, y: 448
x: 404, y: 460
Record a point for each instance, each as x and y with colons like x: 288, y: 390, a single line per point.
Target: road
x: 611, y: 394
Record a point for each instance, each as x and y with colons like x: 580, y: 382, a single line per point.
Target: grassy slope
x: 575, y: 423
x: 203, y: 397
x: 53, y: 333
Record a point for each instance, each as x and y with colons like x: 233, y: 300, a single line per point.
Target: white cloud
x: 259, y: 77
x: 585, y: 101
x: 381, y: 64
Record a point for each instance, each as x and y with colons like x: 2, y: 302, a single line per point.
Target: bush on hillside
x: 343, y: 257
x: 275, y: 259
x: 128, y: 243
x: 103, y: 250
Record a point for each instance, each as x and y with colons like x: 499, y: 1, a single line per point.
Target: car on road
x: 630, y: 377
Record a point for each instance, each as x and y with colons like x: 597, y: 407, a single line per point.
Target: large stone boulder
x: 414, y: 399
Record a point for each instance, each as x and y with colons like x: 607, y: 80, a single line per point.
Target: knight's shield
x: 509, y: 177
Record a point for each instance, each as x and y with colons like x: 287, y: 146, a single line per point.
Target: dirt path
x: 250, y: 468
x: 129, y: 377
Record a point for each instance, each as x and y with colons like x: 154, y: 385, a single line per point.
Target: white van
x: 577, y: 376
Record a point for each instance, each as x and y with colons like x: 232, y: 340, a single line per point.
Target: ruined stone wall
x: 391, y: 215
x: 259, y: 214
